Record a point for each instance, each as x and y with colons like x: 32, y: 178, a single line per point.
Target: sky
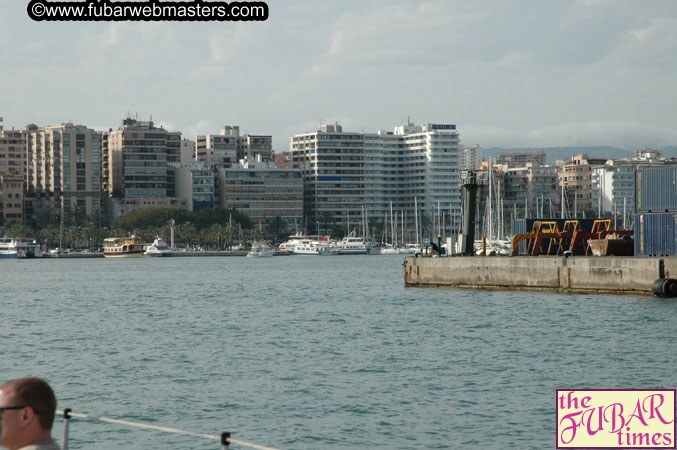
x: 508, y: 73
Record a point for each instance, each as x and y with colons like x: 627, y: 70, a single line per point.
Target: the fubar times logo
x: 616, y: 418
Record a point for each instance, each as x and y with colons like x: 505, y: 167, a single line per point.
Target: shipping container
x: 656, y: 234
x: 656, y: 189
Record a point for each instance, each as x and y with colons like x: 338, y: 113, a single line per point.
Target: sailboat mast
x: 416, y: 218
x: 491, y: 216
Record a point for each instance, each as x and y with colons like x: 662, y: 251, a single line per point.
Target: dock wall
x: 585, y: 274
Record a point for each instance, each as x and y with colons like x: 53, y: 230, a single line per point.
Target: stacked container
x: 656, y: 211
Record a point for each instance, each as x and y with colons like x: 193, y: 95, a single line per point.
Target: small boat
x: 130, y: 247
x: 260, y: 250
x: 19, y: 248
x: 159, y: 248
x: 389, y: 249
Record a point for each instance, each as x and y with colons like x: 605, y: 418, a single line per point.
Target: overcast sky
x: 508, y: 73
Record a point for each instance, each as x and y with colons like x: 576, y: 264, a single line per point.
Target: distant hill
x: 669, y: 152
x: 555, y: 153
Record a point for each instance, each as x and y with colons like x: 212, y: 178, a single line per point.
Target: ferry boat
x: 122, y: 247
x: 19, y: 248
x: 260, y: 250
x: 158, y: 248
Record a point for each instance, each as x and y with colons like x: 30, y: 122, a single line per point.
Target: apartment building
x: 12, y: 151
x: 195, y: 183
x: 139, y: 156
x: 346, y: 173
x: 224, y: 150
x: 472, y: 157
x: 577, y: 179
x: 12, y: 202
x: 263, y: 191
x: 64, y: 161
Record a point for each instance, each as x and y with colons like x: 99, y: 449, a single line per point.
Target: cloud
x: 201, y: 128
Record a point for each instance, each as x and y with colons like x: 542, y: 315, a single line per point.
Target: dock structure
x: 608, y: 274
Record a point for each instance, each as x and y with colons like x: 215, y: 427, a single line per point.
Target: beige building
x: 65, y: 160
x: 224, y: 150
x: 12, y: 205
x: 141, y: 160
x: 577, y: 178
x: 12, y: 151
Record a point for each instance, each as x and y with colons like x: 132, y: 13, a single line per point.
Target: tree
x: 278, y: 228
x: 327, y: 218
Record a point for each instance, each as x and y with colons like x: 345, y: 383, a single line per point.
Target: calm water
x: 316, y: 352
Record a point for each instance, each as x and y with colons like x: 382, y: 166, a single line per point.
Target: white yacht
x: 158, y: 248
x: 260, y: 250
x: 19, y: 248
x: 310, y: 247
x: 353, y: 245
x: 288, y: 246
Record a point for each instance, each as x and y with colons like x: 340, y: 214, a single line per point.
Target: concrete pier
x: 608, y: 274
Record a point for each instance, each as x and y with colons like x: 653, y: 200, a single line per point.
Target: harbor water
x: 315, y: 352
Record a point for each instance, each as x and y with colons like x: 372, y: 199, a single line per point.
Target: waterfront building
x: 263, y: 191
x: 472, y: 157
x: 139, y: 154
x: 12, y: 201
x: 12, y: 151
x: 648, y: 154
x: 222, y: 151
x: 195, y: 183
x: 187, y: 152
x: 64, y: 160
x: 348, y: 174
x: 577, y: 178
x: 141, y: 165
x: 217, y: 151
x: 520, y: 159
x: 613, y: 191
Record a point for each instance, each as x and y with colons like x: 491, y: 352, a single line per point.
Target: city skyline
x: 508, y: 73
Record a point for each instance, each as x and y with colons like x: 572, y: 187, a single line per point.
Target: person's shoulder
x: 43, y: 445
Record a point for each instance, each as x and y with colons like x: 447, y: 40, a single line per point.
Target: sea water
x: 315, y: 352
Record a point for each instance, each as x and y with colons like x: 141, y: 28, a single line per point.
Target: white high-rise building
x: 347, y: 172
x: 472, y: 157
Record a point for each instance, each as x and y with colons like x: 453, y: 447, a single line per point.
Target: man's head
x: 27, y: 409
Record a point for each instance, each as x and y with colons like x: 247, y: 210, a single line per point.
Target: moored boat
x: 19, y: 248
x: 260, y: 250
x: 130, y: 247
x: 158, y: 248
x: 310, y: 247
x: 353, y: 245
